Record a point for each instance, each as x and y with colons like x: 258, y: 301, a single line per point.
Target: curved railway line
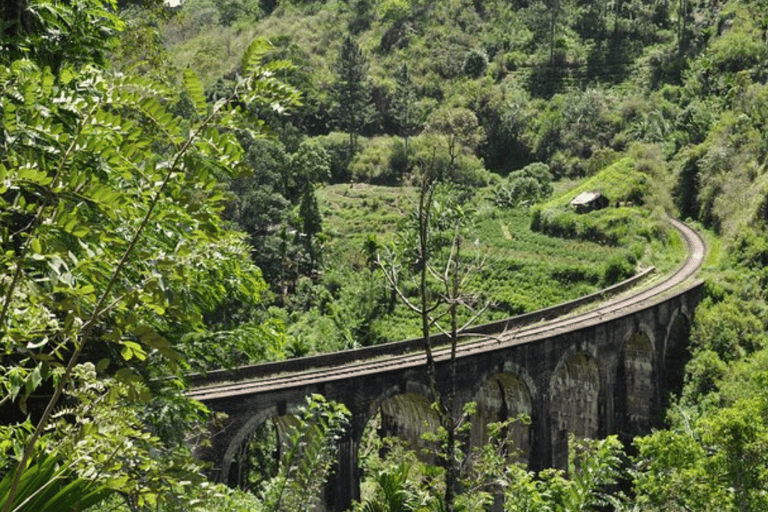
x: 633, y: 300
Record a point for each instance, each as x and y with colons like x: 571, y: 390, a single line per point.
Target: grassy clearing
x: 353, y: 212
x: 642, y: 231
x: 619, y: 182
x: 524, y: 270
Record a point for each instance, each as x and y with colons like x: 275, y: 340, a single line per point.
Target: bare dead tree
x: 453, y: 275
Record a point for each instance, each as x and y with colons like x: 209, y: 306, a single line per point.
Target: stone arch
x: 646, y: 330
x: 402, y: 411
x: 574, y: 395
x: 407, y: 416
x: 248, y: 428
x: 500, y: 397
x: 634, y: 390
x: 676, y: 354
x: 410, y: 387
x: 508, y: 367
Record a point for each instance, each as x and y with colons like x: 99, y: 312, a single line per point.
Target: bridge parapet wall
x: 415, y: 344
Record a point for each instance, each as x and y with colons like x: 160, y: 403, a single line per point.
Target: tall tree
x: 310, y: 165
x: 405, y: 113
x: 549, y: 19
x: 353, y: 100
x: 311, y: 225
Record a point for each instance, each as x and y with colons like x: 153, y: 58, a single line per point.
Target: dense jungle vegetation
x: 232, y: 181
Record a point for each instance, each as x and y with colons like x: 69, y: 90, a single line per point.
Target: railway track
x: 477, y: 342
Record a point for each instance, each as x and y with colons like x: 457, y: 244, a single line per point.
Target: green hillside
x: 523, y: 270
x: 228, y: 181
x: 661, y: 106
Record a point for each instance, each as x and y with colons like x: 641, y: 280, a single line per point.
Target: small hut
x: 588, y: 201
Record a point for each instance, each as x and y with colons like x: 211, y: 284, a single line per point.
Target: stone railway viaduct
x: 604, y: 370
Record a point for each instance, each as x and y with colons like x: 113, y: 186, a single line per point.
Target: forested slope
x: 678, y: 87
x: 174, y: 195
x: 393, y: 88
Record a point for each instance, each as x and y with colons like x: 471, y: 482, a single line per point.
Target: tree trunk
x: 451, y: 470
x: 425, y: 200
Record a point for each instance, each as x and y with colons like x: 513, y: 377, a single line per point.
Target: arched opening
x: 634, y: 396
x: 392, y: 438
x: 503, y: 396
x: 676, y: 356
x: 574, y: 392
x: 407, y: 416
x: 258, y: 457
x: 301, y: 448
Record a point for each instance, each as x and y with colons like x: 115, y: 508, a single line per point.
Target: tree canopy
x: 351, y: 89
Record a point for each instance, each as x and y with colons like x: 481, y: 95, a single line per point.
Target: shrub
x: 395, y: 11
x: 375, y: 163
x: 336, y: 144
x: 616, y: 269
x: 536, y: 220
x: 572, y: 274
x: 751, y: 249
x: 599, y: 160
x: 530, y: 184
x: 398, y: 162
x: 729, y: 328
x: 470, y: 172
x: 559, y: 223
x: 475, y: 63
x: 738, y: 48
x: 703, y: 371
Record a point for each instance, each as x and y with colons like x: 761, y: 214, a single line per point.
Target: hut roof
x: 585, y: 198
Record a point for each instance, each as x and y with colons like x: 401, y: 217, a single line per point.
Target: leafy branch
x: 107, y: 135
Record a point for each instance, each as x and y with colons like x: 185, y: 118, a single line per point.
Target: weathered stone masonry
x: 609, y: 376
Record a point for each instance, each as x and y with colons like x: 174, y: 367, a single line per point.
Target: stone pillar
x: 541, y: 449
x: 344, y: 484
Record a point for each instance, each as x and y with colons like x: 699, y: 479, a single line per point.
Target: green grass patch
x: 351, y: 213
x: 620, y: 182
x: 621, y: 224
x: 714, y: 243
x: 524, y: 270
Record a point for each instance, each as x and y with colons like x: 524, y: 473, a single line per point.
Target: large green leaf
x: 47, y: 486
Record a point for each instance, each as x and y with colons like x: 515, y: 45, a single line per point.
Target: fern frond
x: 254, y: 55
x: 195, y: 91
